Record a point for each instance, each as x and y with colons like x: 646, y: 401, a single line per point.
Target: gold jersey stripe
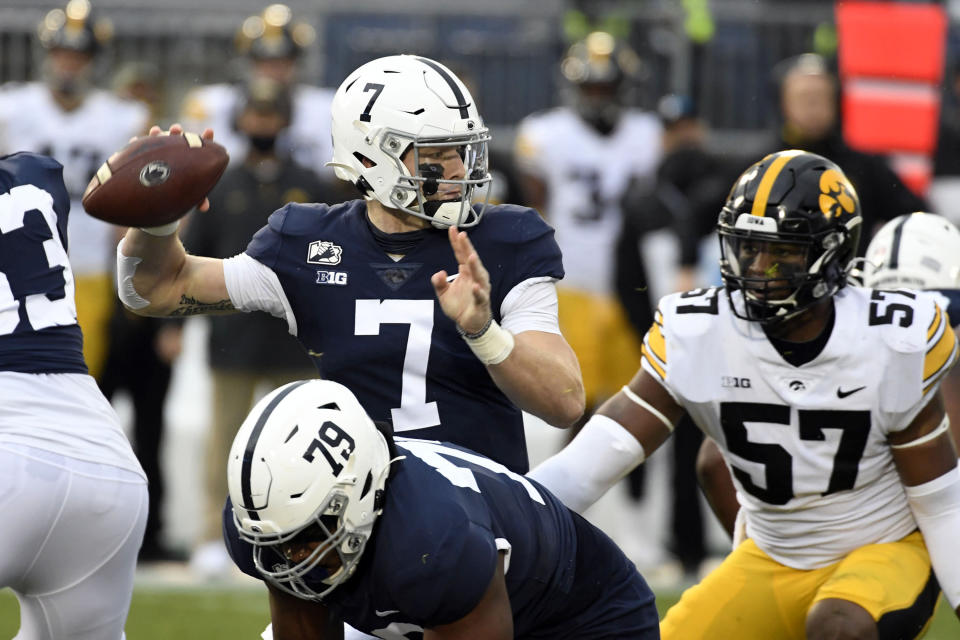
x: 940, y: 353
x: 658, y: 346
x: 660, y: 371
x: 935, y: 325
x: 769, y: 177
x: 941, y: 373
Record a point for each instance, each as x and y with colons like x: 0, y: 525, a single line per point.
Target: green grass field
x: 165, y: 613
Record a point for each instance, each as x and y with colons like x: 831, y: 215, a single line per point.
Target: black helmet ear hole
x: 363, y: 186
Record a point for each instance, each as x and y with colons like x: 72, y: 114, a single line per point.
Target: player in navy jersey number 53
x: 435, y: 341
x: 73, y: 495
x: 412, y: 538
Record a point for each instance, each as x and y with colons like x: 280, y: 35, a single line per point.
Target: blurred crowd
x: 632, y: 187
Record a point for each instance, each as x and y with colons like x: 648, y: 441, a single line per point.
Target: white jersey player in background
x: 272, y: 44
x: 575, y: 163
x: 65, y: 117
x: 825, y: 401
x: 73, y: 495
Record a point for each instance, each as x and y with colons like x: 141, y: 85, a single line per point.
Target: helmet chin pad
x: 444, y: 213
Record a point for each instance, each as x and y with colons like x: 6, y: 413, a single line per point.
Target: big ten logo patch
x: 331, y: 277
x: 735, y: 382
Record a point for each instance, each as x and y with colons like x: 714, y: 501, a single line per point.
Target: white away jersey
x: 81, y: 140
x: 308, y: 138
x: 586, y: 174
x: 807, y: 446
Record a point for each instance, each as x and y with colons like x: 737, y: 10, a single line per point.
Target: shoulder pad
x: 296, y: 218
x: 513, y: 224
x: 443, y: 576
x: 679, y: 342
x: 903, y: 316
x: 692, y: 313
x: 923, y: 345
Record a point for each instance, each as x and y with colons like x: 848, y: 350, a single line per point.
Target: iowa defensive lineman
x: 825, y: 402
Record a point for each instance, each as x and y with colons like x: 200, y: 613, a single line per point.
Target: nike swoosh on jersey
x: 843, y: 394
x: 386, y: 613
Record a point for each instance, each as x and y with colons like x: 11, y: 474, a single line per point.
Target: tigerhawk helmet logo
x: 836, y: 194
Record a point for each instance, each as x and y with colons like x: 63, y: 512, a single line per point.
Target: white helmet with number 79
x: 401, y: 104
x: 308, y: 465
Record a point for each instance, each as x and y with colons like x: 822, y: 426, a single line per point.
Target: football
x: 155, y: 180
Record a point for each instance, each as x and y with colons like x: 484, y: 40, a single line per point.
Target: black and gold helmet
x: 74, y: 27
x: 788, y: 233
x: 603, y: 71
x: 273, y: 34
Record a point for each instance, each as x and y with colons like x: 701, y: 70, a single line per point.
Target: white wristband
x: 162, y: 230
x: 493, y: 346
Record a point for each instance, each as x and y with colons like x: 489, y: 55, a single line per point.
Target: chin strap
x: 447, y: 214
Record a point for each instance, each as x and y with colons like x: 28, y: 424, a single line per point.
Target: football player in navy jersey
x: 412, y: 538
x: 73, y: 495
x: 387, y: 293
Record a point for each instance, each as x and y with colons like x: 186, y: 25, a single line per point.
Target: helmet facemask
x: 780, y: 273
x: 337, y: 550
x: 412, y: 192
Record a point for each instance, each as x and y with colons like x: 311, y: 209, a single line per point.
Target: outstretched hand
x: 177, y: 129
x: 464, y: 298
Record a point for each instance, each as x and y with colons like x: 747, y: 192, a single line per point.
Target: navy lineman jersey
x: 375, y: 325
x: 951, y: 304
x: 38, y: 319
x: 447, y: 513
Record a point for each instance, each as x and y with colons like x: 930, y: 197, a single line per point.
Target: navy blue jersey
x: 953, y: 304
x: 447, y: 514
x: 38, y: 318
x: 375, y: 326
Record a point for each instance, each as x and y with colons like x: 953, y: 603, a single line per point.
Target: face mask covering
x: 263, y: 144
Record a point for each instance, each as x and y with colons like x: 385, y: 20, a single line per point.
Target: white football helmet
x: 916, y: 250
x: 307, y: 460
x: 404, y: 103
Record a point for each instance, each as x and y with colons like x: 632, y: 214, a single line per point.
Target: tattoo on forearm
x: 192, y: 307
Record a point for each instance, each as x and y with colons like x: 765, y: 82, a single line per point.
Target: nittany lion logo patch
x: 324, y: 252
x: 836, y: 194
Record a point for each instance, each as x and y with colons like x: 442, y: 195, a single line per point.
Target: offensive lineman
x: 825, y: 401
x: 73, y: 494
x: 409, y: 537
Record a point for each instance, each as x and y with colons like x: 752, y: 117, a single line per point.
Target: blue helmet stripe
x: 246, y: 493
x: 461, y: 100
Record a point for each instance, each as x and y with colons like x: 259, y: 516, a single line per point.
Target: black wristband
x: 478, y: 334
